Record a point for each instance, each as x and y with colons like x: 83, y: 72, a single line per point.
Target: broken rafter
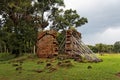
x: 72, y: 45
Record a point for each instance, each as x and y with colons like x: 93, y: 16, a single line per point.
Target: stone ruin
x: 47, y: 45
x: 71, y: 45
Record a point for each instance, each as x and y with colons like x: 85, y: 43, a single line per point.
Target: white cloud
x: 109, y: 36
x: 86, y: 5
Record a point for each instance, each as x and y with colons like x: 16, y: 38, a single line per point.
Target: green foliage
x: 45, y: 7
x: 101, y: 48
x: 93, y: 48
x: 117, y: 47
x: 18, y: 32
x: 62, y: 20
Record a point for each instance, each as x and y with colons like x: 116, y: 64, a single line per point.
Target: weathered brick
x: 47, y: 44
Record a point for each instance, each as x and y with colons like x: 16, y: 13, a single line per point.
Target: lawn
x: 32, y: 68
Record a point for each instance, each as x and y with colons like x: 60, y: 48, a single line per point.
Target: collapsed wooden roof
x: 73, y: 45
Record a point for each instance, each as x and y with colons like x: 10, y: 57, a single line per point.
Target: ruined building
x: 46, y: 44
x: 71, y: 44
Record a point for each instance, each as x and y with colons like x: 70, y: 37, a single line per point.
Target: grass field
x: 34, y: 69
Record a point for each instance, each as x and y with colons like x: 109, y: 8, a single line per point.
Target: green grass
x: 105, y: 70
x: 6, y: 56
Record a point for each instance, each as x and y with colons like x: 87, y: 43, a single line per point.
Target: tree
x: 101, y: 47
x: 98, y: 48
x: 43, y: 9
x: 116, y: 47
x: 66, y: 19
x: 18, y: 24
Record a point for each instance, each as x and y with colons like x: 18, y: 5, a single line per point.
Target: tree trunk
x: 34, y: 49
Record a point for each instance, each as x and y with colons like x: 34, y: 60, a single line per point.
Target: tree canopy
x: 64, y: 19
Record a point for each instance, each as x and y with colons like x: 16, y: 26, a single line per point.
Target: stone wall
x: 47, y: 45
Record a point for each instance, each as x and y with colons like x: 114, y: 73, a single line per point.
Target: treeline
x: 104, y: 48
x: 23, y: 19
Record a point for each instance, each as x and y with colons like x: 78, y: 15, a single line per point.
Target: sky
x: 103, y: 20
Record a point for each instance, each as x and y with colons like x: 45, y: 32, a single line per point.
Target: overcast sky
x: 103, y: 20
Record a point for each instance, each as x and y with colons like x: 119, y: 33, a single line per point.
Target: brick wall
x: 47, y: 45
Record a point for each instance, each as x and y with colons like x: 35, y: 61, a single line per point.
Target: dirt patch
x: 118, y: 74
x: 3, y: 78
x: 65, y: 63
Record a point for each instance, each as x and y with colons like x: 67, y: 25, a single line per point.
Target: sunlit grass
x: 105, y: 70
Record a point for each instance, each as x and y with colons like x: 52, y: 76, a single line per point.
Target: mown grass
x: 105, y: 70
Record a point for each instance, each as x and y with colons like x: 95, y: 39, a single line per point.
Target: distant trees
x: 104, y: 48
x: 93, y: 48
x: 116, y: 47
